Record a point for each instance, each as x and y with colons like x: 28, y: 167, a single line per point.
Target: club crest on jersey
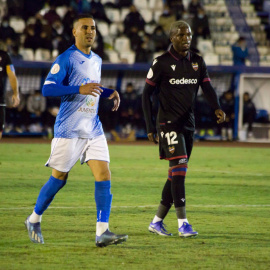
x: 171, y: 149
x: 55, y: 69
x: 195, y: 66
x: 173, y: 67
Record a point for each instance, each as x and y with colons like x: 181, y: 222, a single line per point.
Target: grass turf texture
x: 227, y: 203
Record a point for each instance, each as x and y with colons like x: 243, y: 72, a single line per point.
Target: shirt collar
x: 176, y: 55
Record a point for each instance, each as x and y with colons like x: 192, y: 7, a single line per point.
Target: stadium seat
x: 113, y: 56
x: 139, y: 4
x: 122, y: 44
x: 55, y: 53
x: 124, y: 12
x: 17, y: 24
x: 223, y: 50
x: 103, y: 28
x: 27, y: 54
x: 156, y: 54
x: 157, y: 14
x: 205, y: 46
x: 128, y: 57
x: 42, y: 55
x: 61, y: 11
x: 114, y: 29
x: 147, y: 15
x: 155, y: 4
x: 211, y: 59
x: 263, y: 50
x: 113, y: 14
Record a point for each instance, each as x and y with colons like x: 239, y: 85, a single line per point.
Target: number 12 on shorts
x: 171, y: 137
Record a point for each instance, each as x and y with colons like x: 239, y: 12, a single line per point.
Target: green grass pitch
x: 227, y: 191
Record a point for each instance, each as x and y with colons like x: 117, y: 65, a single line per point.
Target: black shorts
x: 2, y: 117
x: 175, y: 144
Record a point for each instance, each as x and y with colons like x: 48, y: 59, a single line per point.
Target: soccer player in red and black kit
x: 7, y: 69
x: 177, y: 75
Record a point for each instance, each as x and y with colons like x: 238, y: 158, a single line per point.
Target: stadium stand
x: 228, y: 20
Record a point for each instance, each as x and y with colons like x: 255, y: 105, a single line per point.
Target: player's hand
x: 15, y: 100
x: 221, y: 116
x: 153, y: 137
x: 116, y: 100
x: 92, y: 89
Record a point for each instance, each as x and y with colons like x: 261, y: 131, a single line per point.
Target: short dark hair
x: 176, y: 25
x: 82, y: 16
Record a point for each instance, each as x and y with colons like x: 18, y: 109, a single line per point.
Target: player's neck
x: 182, y: 53
x: 85, y: 50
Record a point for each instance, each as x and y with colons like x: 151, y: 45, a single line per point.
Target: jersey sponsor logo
x: 155, y: 61
x: 182, y: 161
x: 183, y: 81
x: 55, y: 69
x: 87, y: 110
x: 150, y: 74
x: 173, y: 67
x: 195, y: 66
x: 171, y: 149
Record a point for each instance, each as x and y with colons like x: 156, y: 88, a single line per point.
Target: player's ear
x: 74, y: 32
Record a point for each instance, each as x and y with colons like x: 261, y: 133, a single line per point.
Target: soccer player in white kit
x: 75, y: 76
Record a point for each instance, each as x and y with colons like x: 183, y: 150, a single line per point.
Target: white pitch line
x: 144, y: 206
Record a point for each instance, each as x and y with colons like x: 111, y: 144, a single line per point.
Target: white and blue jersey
x: 77, y: 117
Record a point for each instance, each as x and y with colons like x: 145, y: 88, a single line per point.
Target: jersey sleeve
x: 59, y: 71
x: 154, y: 74
x: 204, y: 73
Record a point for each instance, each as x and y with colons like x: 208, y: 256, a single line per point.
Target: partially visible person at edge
x: 7, y: 70
x: 177, y: 75
x: 240, y: 52
x: 78, y: 132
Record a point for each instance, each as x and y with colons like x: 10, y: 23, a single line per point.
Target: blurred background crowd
x: 133, y: 31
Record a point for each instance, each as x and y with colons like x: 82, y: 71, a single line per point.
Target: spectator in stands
x: 16, y: 118
x: 240, y: 52
x: 166, y: 18
x: 14, y: 54
x: 36, y: 107
x: 200, y: 25
x: 194, y: 6
x: 80, y: 6
x: 177, y: 7
x: 130, y: 111
x: 37, y: 35
x: 249, y: 113
x: 227, y: 103
x: 133, y: 19
x: 51, y: 15
x: 98, y: 11
x: 204, y: 122
x: 6, y: 31
x: 31, y: 7
x: 160, y: 39
x: 144, y: 53
x: 135, y: 38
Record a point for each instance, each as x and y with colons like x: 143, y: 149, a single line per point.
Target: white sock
x: 34, y: 218
x: 181, y: 221
x: 101, y: 227
x: 156, y: 219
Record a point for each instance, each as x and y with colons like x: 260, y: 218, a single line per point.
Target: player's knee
x: 103, y: 175
x: 60, y: 175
